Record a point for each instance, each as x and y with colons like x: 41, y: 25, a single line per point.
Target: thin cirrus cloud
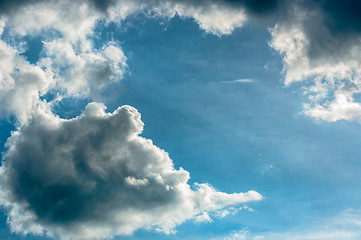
x: 242, y: 80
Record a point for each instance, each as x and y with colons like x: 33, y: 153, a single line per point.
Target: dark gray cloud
x: 93, y: 176
x: 337, y: 16
x: 340, y: 15
x: 103, y: 5
x: 320, y: 41
x: 332, y: 27
x: 9, y: 6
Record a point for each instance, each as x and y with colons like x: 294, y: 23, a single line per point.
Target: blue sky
x: 265, y: 106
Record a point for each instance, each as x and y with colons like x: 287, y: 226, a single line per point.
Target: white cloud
x: 136, y: 182
x: 295, y: 46
x: 94, y: 177
x: 203, y: 217
x: 342, y: 107
x: 311, y: 46
x: 311, y: 53
x: 83, y: 71
x: 21, y: 83
x: 240, y: 235
x: 231, y: 211
x: 242, y: 80
x: 213, y: 18
x: 69, y: 62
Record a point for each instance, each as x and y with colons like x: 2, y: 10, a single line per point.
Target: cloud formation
x: 320, y: 45
x: 69, y: 63
x: 93, y: 177
x: 99, y: 157
x: 21, y: 84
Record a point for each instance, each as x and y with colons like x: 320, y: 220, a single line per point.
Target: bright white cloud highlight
x: 21, y: 84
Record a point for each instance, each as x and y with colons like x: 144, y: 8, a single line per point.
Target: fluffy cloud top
x: 95, y: 177
x: 21, y: 84
x: 69, y: 63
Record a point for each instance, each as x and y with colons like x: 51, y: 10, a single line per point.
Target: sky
x: 169, y: 119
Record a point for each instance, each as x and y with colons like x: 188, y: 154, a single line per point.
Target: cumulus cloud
x: 211, y: 18
x: 21, y: 84
x: 319, y: 41
x: 219, y: 17
x: 69, y: 63
x: 320, y: 44
x: 84, y: 71
x: 93, y: 177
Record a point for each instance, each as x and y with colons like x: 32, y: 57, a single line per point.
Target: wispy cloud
x: 241, y: 80
x: 345, y: 226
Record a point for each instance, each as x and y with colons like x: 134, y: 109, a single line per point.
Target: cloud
x: 93, y: 177
x: 83, y: 72
x: 319, y: 42
x: 214, y: 20
x: 69, y: 64
x: 239, y: 235
x: 218, y: 17
x: 204, y: 217
x: 21, y: 84
x: 320, y: 45
x: 242, y: 80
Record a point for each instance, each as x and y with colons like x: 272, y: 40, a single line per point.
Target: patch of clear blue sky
x: 228, y: 134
